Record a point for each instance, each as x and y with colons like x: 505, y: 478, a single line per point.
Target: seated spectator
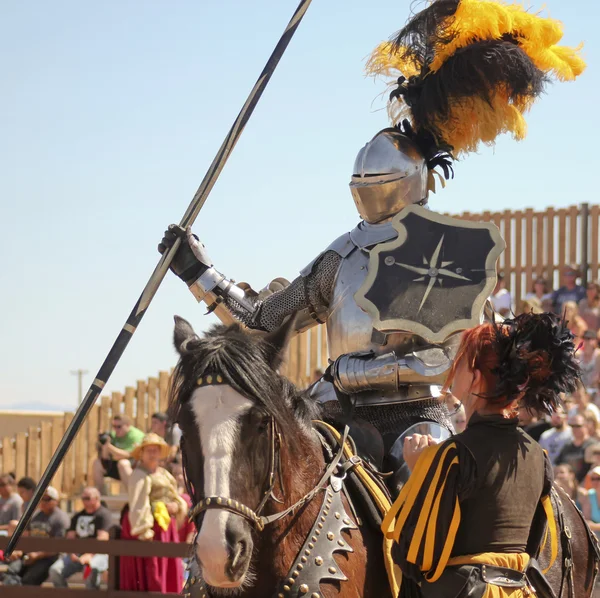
x: 570, y: 291
x: 531, y: 423
x: 589, y: 306
x: 564, y: 477
x: 541, y: 293
x: 589, y: 360
x: 591, y: 506
x: 154, y: 512
x: 50, y: 521
x: 10, y: 503
x: 115, y: 452
x: 500, y: 298
x: 553, y: 440
x: 94, y: 521
x: 171, y: 434
x: 592, y: 422
x: 574, y: 321
x: 573, y: 453
x: 25, y: 489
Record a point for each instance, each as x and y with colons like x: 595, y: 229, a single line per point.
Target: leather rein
x: 253, y: 516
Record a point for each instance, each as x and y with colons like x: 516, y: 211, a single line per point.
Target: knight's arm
x: 308, y: 296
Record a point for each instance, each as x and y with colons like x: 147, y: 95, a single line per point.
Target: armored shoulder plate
x: 343, y: 246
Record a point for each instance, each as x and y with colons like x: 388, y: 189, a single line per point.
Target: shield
x: 434, y: 278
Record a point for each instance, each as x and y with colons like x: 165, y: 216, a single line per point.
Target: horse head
x: 233, y: 409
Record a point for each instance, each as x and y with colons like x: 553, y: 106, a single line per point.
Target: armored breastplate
x: 349, y: 328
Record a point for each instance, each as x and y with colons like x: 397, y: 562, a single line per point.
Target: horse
x: 270, y: 515
x: 248, y: 439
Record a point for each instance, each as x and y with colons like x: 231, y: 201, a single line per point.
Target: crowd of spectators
x: 580, y: 307
x: 148, y: 466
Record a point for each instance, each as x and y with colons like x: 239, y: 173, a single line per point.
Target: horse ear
x: 277, y: 341
x: 183, y: 334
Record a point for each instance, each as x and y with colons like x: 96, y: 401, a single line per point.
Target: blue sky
x: 112, y: 111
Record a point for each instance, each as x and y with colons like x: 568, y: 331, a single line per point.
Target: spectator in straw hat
x: 155, y: 511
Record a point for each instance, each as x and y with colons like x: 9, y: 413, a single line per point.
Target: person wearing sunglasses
x: 93, y: 521
x: 589, y: 306
x: 32, y: 569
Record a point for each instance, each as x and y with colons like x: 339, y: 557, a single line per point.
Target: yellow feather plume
x: 473, y: 120
x: 485, y: 19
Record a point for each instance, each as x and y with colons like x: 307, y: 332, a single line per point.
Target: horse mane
x: 242, y: 359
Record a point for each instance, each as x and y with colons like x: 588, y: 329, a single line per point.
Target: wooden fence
x: 537, y: 244
x: 28, y: 453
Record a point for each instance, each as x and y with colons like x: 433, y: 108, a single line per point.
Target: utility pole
x: 79, y: 373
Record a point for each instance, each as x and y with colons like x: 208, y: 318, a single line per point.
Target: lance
x: 136, y: 315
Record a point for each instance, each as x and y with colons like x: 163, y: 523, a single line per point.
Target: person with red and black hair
x: 493, y: 477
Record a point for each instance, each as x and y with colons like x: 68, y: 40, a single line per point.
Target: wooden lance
x: 134, y: 319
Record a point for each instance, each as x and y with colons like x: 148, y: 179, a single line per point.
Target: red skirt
x: 150, y: 574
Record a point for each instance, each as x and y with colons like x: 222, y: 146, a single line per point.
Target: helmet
x: 390, y: 173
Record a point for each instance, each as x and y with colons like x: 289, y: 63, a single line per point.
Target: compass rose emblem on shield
x: 434, y: 278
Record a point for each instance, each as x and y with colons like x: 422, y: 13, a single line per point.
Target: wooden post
x: 21, y: 455
x: 67, y: 486
x: 104, y: 414
x: 152, y: 403
x: 528, y: 254
x: 45, y: 445
x: 163, y: 390
x: 324, y: 349
x: 142, y: 412
x: 314, y: 354
x: 115, y: 403
x: 517, y: 291
x: 508, y: 267
x: 585, y: 227
x: 80, y: 459
x: 58, y: 430
x: 539, y: 246
x: 573, y: 235
x: 562, y: 240
x: 33, y: 452
x: 594, y: 257
x: 129, y: 400
x: 92, y: 440
x: 550, y: 259
x: 8, y: 455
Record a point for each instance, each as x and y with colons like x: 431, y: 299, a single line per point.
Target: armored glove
x: 191, y: 259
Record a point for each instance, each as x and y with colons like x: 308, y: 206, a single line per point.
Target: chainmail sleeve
x: 311, y: 292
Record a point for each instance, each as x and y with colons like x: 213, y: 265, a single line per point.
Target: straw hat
x: 150, y: 440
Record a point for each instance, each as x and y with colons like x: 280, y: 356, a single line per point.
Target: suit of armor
x: 393, y: 379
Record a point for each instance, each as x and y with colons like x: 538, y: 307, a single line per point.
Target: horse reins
x: 253, y: 516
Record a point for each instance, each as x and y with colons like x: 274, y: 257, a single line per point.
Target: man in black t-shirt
x: 93, y: 521
x: 31, y: 569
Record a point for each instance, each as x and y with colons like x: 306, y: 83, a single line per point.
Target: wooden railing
x: 113, y: 548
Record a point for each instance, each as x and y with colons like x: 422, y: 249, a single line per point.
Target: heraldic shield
x: 434, y: 278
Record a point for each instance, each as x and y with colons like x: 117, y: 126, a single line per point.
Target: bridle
x: 253, y: 516
x: 234, y: 506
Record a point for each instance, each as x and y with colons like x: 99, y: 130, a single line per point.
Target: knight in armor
x: 396, y: 291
